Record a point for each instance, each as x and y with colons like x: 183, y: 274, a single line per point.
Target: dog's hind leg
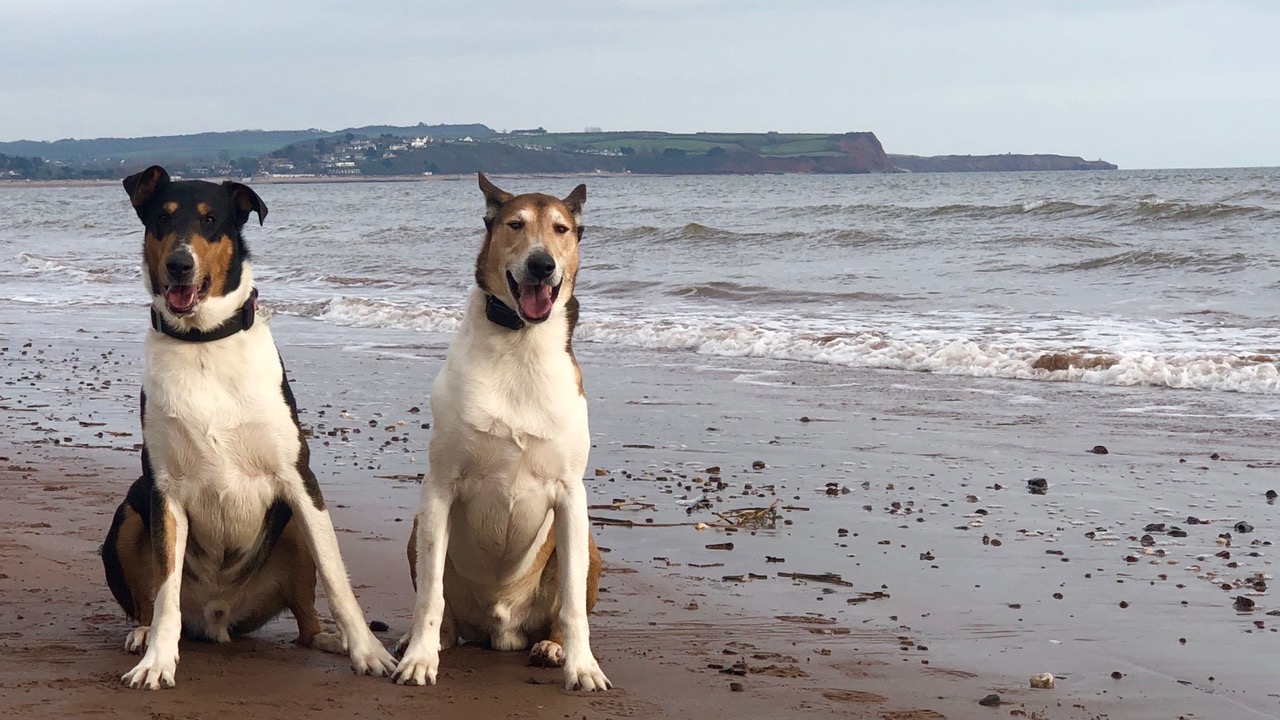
x: 300, y: 592
x: 128, y: 565
x: 368, y: 656
x: 550, y: 652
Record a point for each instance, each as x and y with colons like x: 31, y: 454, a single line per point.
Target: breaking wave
x: 900, y: 348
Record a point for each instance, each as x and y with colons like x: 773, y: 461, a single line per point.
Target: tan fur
x: 213, y: 260
x: 138, y: 562
x: 298, y: 589
x: 291, y: 564
x: 543, y: 219
x: 544, y: 566
x: 167, y: 555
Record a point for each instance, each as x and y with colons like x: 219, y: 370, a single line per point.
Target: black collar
x: 499, y: 314
x: 242, y: 320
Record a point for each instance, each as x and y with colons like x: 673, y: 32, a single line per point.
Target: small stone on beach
x: 992, y: 700
x: 1099, y: 450
x: 1043, y: 681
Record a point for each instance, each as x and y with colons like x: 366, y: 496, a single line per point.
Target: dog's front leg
x: 169, y: 542
x: 572, y: 528
x: 368, y: 656
x: 421, y: 658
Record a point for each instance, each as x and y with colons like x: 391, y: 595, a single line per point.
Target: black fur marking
x: 155, y: 522
x: 303, y: 464
x: 274, y: 522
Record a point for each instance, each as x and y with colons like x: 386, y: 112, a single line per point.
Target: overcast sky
x: 1138, y: 83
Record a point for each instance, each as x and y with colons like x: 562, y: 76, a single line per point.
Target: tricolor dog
x: 227, y: 527
x: 501, y: 551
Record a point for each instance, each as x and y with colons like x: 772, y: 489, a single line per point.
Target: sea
x: 1164, y: 278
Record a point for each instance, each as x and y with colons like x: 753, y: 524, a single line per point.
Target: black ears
x: 142, y: 186
x: 575, y: 201
x: 494, y: 199
x: 245, y: 201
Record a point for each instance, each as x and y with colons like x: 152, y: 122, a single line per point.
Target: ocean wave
x: 1153, y: 259
x: 71, y: 271
x: 359, y: 312
x: 690, y: 233
x: 935, y: 352
x: 1144, y: 209
x: 1154, y: 207
x: 724, y: 290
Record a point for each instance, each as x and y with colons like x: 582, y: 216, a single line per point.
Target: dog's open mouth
x: 182, y: 299
x: 534, y: 300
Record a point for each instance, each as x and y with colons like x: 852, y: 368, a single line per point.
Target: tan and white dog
x: 501, y: 550
x: 226, y: 527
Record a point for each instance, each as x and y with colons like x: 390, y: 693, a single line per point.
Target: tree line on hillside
x: 19, y: 167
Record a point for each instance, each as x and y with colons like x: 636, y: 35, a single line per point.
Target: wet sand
x: 950, y: 581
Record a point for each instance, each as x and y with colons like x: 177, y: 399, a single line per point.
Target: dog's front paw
x: 369, y: 657
x: 152, y: 673
x: 585, y: 675
x: 546, y: 654
x: 417, y: 667
x: 136, y: 641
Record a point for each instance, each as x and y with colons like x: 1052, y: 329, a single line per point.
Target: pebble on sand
x: 1043, y: 681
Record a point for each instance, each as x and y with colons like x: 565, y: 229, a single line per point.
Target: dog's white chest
x: 218, y: 432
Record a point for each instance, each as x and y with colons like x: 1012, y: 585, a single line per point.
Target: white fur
x: 223, y: 446
x: 508, y: 451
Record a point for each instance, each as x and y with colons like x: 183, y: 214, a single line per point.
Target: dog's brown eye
x: 163, y: 219
x: 515, y: 224
x: 562, y: 229
x: 208, y: 220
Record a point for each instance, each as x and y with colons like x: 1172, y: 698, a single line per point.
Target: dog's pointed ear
x: 494, y: 199
x: 575, y: 201
x: 142, y: 187
x: 245, y: 201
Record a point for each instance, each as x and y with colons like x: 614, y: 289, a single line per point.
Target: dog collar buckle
x: 499, y: 314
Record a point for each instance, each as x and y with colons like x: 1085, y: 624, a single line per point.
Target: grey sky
x: 1139, y: 83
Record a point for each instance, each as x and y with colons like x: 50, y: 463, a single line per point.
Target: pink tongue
x: 535, y: 301
x: 181, y: 297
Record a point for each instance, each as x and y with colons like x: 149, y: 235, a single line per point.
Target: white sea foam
x: 358, y: 312
x: 897, y: 345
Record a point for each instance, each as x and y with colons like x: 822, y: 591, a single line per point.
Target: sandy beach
x: 909, y: 573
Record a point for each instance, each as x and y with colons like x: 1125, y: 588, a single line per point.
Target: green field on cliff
x: 770, y: 144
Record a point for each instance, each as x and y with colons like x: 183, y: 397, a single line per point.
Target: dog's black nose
x: 541, y: 265
x: 180, y: 265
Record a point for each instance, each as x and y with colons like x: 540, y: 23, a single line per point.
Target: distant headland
x: 379, y: 151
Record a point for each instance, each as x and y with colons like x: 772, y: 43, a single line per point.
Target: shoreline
x: 891, y: 457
